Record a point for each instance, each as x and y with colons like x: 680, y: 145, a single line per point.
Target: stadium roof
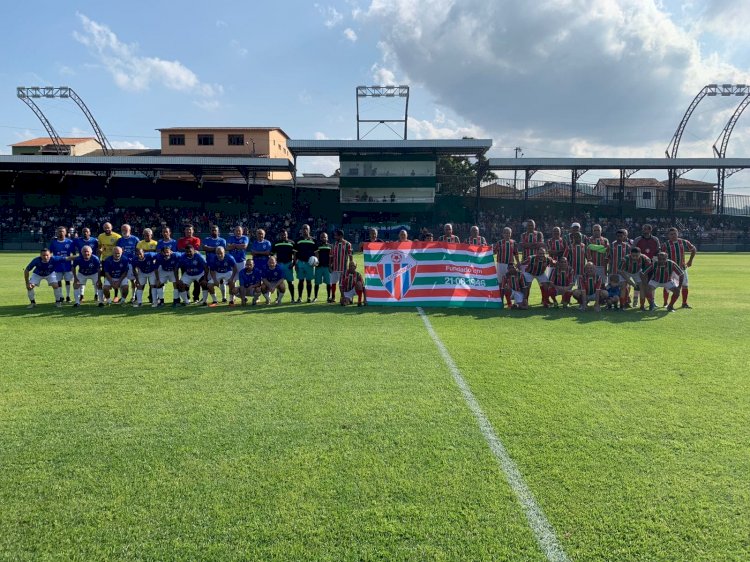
x: 458, y: 147
x: 192, y: 164
x: 616, y: 163
x: 44, y: 141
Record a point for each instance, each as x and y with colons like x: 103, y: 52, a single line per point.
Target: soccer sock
x: 300, y: 286
x: 155, y: 295
x: 139, y: 296
x: 636, y: 296
x: 545, y: 295
x: 291, y: 290
x: 100, y: 295
x: 673, y: 300
x: 328, y: 291
x: 317, y: 288
x: 333, y: 291
x: 83, y: 290
x: 204, y: 295
x: 507, y: 299
x: 223, y: 290
x: 684, y: 295
x: 32, y: 295
x: 175, y: 294
x: 213, y: 296
x: 184, y: 296
x: 566, y: 297
x: 67, y: 289
x: 77, y: 295
x: 666, y: 296
x: 308, y: 286
x: 58, y: 294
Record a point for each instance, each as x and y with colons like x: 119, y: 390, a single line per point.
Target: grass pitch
x: 315, y: 432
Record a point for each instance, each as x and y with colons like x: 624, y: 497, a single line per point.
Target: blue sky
x: 559, y: 78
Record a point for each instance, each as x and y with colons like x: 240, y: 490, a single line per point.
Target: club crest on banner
x: 397, y: 272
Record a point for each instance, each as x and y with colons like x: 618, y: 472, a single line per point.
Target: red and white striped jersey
x: 340, y: 255
x: 536, y: 237
x: 618, y: 251
x: 506, y: 251
x: 576, y: 254
x: 514, y: 282
x: 662, y: 273
x: 677, y: 250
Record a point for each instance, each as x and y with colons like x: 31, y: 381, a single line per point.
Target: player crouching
x: 273, y: 280
x: 116, y: 270
x: 86, y: 267
x: 561, y: 282
x: 666, y: 274
x: 223, y: 269
x: 250, y: 280
x: 590, y: 289
x: 514, y: 286
x: 144, y: 271
x: 194, y: 270
x: 41, y: 269
x: 352, y: 284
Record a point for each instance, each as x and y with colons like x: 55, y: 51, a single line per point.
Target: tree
x: 458, y: 176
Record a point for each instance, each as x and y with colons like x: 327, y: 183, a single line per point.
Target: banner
x: 431, y: 274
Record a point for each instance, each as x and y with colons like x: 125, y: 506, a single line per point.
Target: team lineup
x: 589, y: 269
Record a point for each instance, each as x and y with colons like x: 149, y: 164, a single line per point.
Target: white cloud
x: 65, y: 70
x: 729, y: 18
x: 320, y: 136
x: 128, y: 144
x: 442, y: 128
x: 239, y: 49
x: 579, y: 75
x: 221, y: 23
x: 383, y: 76
x: 350, y: 34
x: 332, y: 16
x: 134, y: 72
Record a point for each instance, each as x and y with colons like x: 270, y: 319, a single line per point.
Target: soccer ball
x: 313, y: 261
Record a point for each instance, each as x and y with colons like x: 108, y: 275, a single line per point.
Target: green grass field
x: 312, y: 432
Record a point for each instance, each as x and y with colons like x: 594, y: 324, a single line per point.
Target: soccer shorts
x: 64, y: 276
x: 167, y: 276
x: 350, y: 294
x: 271, y: 286
x: 107, y: 284
x: 633, y: 278
x: 561, y: 290
x: 540, y: 278
x: 150, y: 277
x: 517, y: 296
x: 240, y: 264
x: 669, y: 285
x: 94, y: 278
x: 685, y: 277
x: 322, y: 275
x: 130, y: 276
x: 36, y: 280
x: 189, y: 279
x: 336, y: 277
x: 286, y: 269
x: 226, y: 276
x: 502, y: 269
x: 305, y: 271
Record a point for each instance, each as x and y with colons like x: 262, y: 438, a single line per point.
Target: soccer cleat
x: 686, y: 305
x: 76, y: 305
x: 268, y: 300
x: 309, y: 300
x: 359, y: 304
x: 255, y: 301
x: 175, y: 304
x: 652, y: 306
x: 298, y: 301
x: 155, y: 305
x: 137, y: 305
x: 203, y: 303
x: 213, y: 305
x: 82, y: 299
x: 101, y: 305
x: 315, y: 299
x: 160, y: 305
x: 223, y: 300
x: 59, y: 304
x: 231, y: 303
x: 183, y: 304
x: 67, y: 299
x: 670, y: 308
x: 31, y: 305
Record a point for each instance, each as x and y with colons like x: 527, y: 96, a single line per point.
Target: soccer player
x: 191, y: 239
x: 42, y: 268
x: 535, y: 267
x: 250, y: 280
x: 474, y: 238
x: 273, y: 280
x: 167, y: 265
x: 590, y: 289
x: 575, y: 253
x: 506, y: 252
x: 341, y: 255
x: 166, y: 240
x: 237, y: 247
x: 599, y: 259
x: 305, y: 249
x: 666, y: 274
x: 107, y: 241
x: 148, y: 244
x: 284, y: 250
x: 86, y: 267
x: 115, y: 268
x: 144, y: 270
x: 208, y: 246
x: 631, y: 272
x: 448, y: 235
x: 86, y: 240
x: 561, y: 282
x: 223, y: 270
x: 351, y: 284
x: 575, y: 228
x: 531, y: 240
x: 128, y: 242
x: 323, y: 271
x: 676, y: 249
x: 618, y: 251
x: 403, y: 236
x: 647, y: 243
x: 64, y: 247
x: 556, y: 244
x: 514, y: 287
x: 194, y: 270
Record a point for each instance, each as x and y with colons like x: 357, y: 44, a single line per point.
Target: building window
x: 176, y: 140
x: 646, y: 195
x: 205, y: 140
x: 236, y: 140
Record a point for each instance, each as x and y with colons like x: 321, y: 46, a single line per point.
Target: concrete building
x: 78, y: 146
x: 263, y: 142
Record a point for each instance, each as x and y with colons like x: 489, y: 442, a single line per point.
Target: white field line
x: 543, y: 531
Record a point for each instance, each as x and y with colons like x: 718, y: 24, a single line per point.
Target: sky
x: 579, y: 78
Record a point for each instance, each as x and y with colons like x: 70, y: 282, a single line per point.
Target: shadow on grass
x: 89, y: 309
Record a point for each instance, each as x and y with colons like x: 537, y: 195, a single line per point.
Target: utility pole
x: 518, y: 150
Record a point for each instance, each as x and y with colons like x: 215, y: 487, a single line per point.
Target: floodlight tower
x: 721, y: 152
x: 383, y: 92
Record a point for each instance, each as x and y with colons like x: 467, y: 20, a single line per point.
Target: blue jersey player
x: 41, y: 269
x: 63, y: 247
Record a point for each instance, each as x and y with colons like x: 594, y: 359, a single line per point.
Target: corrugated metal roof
x: 331, y: 147
x: 44, y: 162
x: 616, y: 163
